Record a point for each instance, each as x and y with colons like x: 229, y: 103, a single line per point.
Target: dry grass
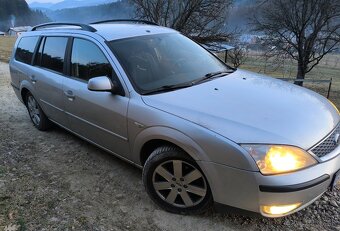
x: 6, y: 45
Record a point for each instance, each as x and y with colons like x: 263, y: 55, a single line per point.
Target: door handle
x: 33, y: 79
x: 69, y: 94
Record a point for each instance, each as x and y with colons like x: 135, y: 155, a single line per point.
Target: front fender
x: 170, y: 135
x: 200, y: 143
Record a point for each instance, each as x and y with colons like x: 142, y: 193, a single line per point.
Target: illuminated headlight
x: 276, y: 159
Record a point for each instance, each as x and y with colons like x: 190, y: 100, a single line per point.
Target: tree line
x: 17, y: 13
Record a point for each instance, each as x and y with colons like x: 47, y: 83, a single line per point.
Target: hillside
x: 67, y: 4
x: 115, y: 10
x: 17, y: 13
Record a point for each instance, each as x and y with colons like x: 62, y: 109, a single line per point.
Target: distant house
x: 16, y: 31
x: 2, y: 33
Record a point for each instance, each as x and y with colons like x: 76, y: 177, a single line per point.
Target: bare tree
x: 237, y: 56
x: 202, y: 20
x: 305, y: 30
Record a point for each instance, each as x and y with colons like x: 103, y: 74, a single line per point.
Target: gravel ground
x: 55, y: 181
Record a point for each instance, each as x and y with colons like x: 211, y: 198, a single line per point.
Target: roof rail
x: 55, y: 24
x: 137, y: 21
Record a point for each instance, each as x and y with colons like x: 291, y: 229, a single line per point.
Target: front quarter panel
x: 147, y: 123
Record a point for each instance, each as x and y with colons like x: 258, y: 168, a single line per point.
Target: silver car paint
x: 48, y: 87
x: 251, y: 108
x: 256, y: 109
x: 197, y: 141
x: 240, y: 188
x: 122, y: 31
x: 100, y: 84
x: 108, y: 130
x: 19, y: 78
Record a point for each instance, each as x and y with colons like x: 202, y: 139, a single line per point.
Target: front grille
x: 328, y: 145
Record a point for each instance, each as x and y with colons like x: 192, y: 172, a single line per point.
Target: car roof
x: 114, y: 31
x: 109, y: 31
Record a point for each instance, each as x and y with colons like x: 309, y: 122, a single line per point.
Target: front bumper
x: 250, y: 190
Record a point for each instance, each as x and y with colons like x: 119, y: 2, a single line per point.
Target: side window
x: 25, y: 49
x: 54, y: 53
x: 88, y: 61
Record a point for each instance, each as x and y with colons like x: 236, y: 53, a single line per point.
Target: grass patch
x: 22, y: 224
x: 6, y: 46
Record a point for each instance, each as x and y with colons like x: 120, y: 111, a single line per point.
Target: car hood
x: 246, y: 107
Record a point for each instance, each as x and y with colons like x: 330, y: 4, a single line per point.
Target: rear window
x: 54, y: 53
x: 25, y: 49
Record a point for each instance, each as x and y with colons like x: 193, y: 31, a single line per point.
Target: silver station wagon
x: 202, y: 132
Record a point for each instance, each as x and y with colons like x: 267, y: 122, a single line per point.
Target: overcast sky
x: 45, y: 1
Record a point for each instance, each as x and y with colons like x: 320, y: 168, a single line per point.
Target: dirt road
x: 55, y: 181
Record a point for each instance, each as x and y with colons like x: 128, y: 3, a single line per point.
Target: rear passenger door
x: 97, y: 116
x: 48, y: 76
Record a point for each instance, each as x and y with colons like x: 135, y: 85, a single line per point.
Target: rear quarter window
x: 25, y: 49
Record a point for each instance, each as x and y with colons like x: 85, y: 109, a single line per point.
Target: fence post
x: 329, y: 88
x: 226, y: 56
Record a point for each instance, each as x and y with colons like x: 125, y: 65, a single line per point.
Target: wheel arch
x: 25, y: 87
x: 154, y: 137
x: 152, y: 145
x: 23, y: 94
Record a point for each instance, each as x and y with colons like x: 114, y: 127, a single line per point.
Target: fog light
x: 279, y: 209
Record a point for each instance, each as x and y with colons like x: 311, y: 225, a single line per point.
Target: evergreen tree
x: 17, y: 13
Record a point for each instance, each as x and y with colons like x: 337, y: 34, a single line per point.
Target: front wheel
x: 175, y: 182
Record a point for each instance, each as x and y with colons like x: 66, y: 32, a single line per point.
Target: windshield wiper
x: 166, y: 88
x: 211, y: 76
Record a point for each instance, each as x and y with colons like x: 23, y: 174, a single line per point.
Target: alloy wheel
x: 33, y: 110
x: 179, y: 183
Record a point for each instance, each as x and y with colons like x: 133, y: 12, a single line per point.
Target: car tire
x: 38, y: 117
x: 175, y: 182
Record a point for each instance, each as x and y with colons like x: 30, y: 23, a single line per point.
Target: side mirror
x: 102, y: 83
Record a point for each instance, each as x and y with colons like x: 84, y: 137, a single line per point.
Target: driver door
x: 99, y: 117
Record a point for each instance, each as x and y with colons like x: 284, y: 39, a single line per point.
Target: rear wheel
x: 175, y: 182
x: 38, y: 117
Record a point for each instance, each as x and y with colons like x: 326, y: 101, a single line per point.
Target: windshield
x: 155, y: 61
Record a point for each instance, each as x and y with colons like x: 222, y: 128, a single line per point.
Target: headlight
x: 275, y: 159
x: 334, y: 106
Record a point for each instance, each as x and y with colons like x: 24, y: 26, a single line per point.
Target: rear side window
x: 54, y: 53
x: 25, y: 49
x: 88, y: 61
